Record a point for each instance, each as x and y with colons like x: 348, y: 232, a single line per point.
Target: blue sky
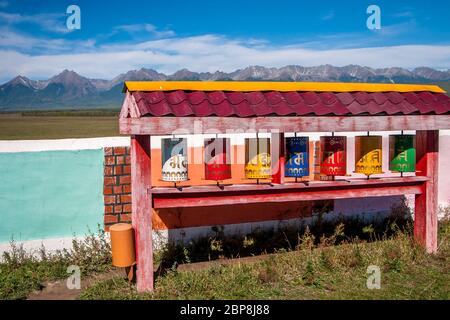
x: 117, y: 36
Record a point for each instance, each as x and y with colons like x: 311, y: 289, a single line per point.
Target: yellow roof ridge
x: 275, y: 86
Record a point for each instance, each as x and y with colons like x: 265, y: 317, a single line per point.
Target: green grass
x: 57, y: 126
x: 22, y: 273
x: 331, y: 266
x: 329, y: 272
x: 326, y: 261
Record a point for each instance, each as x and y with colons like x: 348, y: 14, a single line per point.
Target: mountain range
x: 69, y: 90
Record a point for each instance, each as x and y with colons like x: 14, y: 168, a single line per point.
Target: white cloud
x: 146, y: 28
x: 12, y: 40
x: 330, y: 15
x: 211, y: 53
x: 53, y: 22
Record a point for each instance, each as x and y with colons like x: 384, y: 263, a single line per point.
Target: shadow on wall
x: 186, y: 224
x: 220, y: 244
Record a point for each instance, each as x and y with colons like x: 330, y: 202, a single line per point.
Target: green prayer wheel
x: 402, y: 153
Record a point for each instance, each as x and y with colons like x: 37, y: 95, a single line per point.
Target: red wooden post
x: 426, y: 204
x: 278, y: 157
x: 142, y: 210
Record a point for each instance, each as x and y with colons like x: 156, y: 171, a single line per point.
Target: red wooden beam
x: 202, y: 196
x: 277, y: 157
x: 142, y: 211
x: 197, y: 125
x: 213, y: 188
x: 426, y: 203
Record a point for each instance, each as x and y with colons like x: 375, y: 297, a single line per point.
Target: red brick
x: 108, y: 170
x: 109, y: 209
x: 107, y: 190
x: 110, y: 160
x: 126, y: 208
x: 106, y: 228
x: 125, y: 180
x: 117, y: 189
x: 128, y: 150
x: 111, y: 219
x: 118, y: 170
x: 127, y: 188
x: 109, y: 199
x: 128, y: 160
x: 108, y: 151
x: 118, y: 208
x: 127, y: 169
x: 120, y: 159
x: 109, y: 181
x: 125, y: 198
x: 119, y: 151
x: 125, y: 218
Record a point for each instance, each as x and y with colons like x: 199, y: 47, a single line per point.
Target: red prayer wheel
x: 333, y: 156
x: 217, y: 159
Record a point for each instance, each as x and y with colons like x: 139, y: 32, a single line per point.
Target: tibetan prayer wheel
x: 333, y: 157
x: 174, y: 159
x: 297, y: 157
x: 402, y: 153
x: 368, y: 155
x: 257, y: 158
x: 217, y: 159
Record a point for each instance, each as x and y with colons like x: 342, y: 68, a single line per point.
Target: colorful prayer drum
x: 402, y: 153
x: 297, y: 157
x: 217, y: 159
x: 333, y: 157
x: 368, y: 155
x: 257, y: 158
x: 174, y: 159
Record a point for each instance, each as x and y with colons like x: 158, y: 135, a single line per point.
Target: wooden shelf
x: 164, y: 197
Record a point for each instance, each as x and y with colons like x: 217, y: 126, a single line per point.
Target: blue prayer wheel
x: 297, y: 157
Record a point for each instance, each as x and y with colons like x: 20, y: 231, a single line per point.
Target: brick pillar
x: 117, y: 185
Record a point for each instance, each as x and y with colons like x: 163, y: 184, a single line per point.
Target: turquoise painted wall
x: 50, y: 194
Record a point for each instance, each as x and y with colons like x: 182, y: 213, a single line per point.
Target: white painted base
x: 33, y: 246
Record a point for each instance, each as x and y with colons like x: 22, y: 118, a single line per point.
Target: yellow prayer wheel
x: 122, y: 245
x: 368, y: 155
x: 257, y: 158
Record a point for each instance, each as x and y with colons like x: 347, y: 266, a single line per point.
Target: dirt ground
x: 58, y: 290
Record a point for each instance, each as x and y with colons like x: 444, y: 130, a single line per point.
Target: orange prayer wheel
x: 122, y: 245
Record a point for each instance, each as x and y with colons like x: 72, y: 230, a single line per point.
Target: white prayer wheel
x: 174, y: 159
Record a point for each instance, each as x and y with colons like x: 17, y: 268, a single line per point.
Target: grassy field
x: 326, y: 261
x: 309, y: 271
x: 58, y: 125
x: 21, y: 273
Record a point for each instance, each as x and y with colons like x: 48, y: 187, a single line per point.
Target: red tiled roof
x: 183, y: 103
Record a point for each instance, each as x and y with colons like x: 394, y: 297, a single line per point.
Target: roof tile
x: 293, y: 103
